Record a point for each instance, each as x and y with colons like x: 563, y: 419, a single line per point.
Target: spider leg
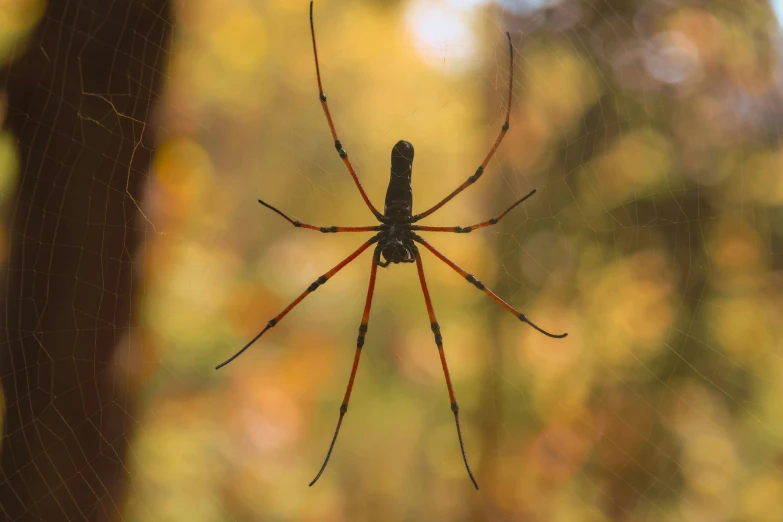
x: 310, y: 289
x: 464, y: 230
x: 357, y: 355
x: 337, y: 144
x: 439, y: 342
x: 478, y: 284
x: 480, y: 170
x: 325, y: 230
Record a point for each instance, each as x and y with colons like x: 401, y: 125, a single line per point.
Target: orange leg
x: 463, y: 230
x: 480, y: 170
x: 439, y: 342
x: 325, y: 230
x: 478, y: 284
x: 310, y: 289
x: 357, y: 355
x: 337, y: 144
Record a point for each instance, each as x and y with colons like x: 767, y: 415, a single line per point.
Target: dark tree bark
x: 79, y: 102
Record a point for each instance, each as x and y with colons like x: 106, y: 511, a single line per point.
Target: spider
x: 395, y: 242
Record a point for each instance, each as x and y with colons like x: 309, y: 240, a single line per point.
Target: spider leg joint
x: 477, y: 175
x: 360, y: 339
x: 338, y: 146
x: 318, y: 282
x: 478, y: 284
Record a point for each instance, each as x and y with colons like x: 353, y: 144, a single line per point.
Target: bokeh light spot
x: 673, y: 58
x: 443, y: 35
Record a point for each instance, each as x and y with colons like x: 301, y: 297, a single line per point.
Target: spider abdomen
x: 399, y: 195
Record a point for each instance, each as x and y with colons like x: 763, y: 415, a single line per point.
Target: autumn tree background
x: 140, y: 133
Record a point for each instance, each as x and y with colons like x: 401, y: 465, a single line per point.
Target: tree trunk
x: 80, y: 102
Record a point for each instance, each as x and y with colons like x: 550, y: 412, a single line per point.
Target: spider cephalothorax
x: 395, y: 241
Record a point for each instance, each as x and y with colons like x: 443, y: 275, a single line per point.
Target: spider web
x: 139, y: 135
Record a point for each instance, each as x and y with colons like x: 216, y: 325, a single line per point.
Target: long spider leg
x: 337, y: 145
x: 463, y: 230
x: 357, y: 355
x: 310, y: 289
x: 480, y: 170
x: 325, y: 230
x: 439, y: 342
x: 478, y: 284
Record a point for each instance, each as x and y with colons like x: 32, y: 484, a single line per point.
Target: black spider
x: 396, y: 240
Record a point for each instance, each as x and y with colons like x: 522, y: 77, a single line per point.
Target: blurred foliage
x: 652, y: 131
x: 17, y: 19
